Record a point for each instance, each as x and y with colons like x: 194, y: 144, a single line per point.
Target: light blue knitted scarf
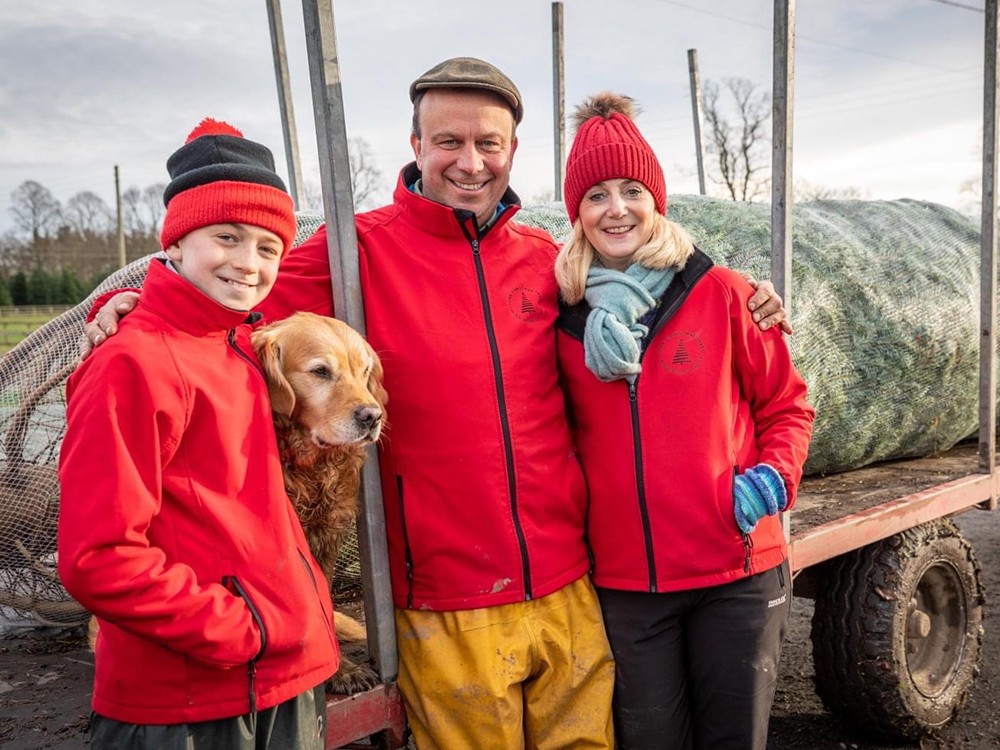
x: 619, y: 300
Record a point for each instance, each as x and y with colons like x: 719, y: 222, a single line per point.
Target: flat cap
x: 470, y: 73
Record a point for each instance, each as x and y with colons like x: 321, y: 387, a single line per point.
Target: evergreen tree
x: 39, y: 287
x: 69, y: 288
x: 19, y: 288
x: 5, y: 298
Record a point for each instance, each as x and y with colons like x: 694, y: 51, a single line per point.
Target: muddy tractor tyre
x: 897, y: 632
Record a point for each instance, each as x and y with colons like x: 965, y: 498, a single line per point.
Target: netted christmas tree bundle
x: 885, y: 305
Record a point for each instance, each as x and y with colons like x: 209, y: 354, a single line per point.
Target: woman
x: 692, y: 426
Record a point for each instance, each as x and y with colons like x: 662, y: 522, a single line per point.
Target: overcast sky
x: 888, y: 94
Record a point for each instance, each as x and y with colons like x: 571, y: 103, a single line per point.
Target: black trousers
x: 297, y: 724
x: 696, y: 670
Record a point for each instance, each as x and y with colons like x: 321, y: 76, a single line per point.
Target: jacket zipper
x: 234, y: 583
x: 505, y: 424
x: 252, y: 361
x: 407, y: 552
x: 315, y: 583
x: 647, y: 533
x: 747, y: 539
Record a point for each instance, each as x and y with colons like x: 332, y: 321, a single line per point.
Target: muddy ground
x: 45, y: 681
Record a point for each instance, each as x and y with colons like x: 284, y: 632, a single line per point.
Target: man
x: 501, y: 643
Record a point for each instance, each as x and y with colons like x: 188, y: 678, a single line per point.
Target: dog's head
x: 325, y: 377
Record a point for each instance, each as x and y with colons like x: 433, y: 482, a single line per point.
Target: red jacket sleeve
x: 776, y: 391
x: 117, y: 437
x: 303, y: 282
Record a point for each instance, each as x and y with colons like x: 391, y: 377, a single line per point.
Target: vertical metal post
x: 696, y: 113
x: 781, y: 149
x: 342, y: 245
x: 285, y: 102
x: 558, y: 98
x: 119, y: 223
x: 988, y: 252
x: 781, y: 160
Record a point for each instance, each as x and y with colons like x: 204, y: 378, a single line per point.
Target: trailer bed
x: 838, y: 513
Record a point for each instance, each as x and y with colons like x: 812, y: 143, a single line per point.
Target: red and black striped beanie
x: 220, y: 177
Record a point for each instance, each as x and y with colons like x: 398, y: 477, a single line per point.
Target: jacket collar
x: 439, y: 219
x: 181, y: 305
x: 573, y: 318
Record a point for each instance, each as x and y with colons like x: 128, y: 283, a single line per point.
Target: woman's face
x: 618, y: 218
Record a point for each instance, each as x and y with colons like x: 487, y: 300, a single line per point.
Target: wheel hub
x: 935, y: 629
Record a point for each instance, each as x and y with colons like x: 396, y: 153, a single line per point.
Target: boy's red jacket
x: 484, y: 496
x: 174, y: 525
x: 715, y: 397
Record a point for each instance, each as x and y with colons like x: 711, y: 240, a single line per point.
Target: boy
x: 174, y: 528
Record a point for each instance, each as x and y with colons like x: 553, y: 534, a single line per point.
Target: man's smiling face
x: 465, y: 149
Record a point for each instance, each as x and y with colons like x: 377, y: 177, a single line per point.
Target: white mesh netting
x: 886, y: 318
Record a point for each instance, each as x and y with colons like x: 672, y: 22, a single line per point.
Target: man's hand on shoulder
x: 105, y: 322
x: 767, y: 306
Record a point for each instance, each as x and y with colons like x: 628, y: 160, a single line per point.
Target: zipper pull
x: 475, y: 247
x: 747, y: 548
x: 252, y: 670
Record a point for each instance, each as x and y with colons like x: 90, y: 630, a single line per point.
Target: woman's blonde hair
x: 668, y: 245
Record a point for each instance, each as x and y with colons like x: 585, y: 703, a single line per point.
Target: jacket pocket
x: 319, y: 594
x: 232, y: 583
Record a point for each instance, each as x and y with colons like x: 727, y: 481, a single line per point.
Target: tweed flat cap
x: 470, y: 73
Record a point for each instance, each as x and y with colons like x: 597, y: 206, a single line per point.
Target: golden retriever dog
x: 325, y: 384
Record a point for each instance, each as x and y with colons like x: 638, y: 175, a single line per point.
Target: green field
x: 14, y: 327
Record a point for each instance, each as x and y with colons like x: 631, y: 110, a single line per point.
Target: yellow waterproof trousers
x: 534, y: 675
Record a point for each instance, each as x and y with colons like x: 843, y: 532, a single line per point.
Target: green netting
x: 885, y: 305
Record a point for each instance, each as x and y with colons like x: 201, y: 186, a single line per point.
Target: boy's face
x: 234, y: 264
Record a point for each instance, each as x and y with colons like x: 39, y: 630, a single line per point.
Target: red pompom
x: 208, y: 126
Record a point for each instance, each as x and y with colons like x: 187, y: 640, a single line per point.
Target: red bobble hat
x: 220, y: 177
x: 608, y: 146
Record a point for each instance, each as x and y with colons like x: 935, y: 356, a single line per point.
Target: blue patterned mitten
x: 757, y: 492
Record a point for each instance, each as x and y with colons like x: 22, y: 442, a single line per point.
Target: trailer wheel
x: 897, y: 632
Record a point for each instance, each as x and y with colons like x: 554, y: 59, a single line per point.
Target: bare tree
x: 132, y: 212
x: 88, y: 215
x: 143, y: 210
x: 366, y: 178
x: 312, y: 197
x: 35, y: 210
x: 152, y: 204
x: 738, y: 136
x: 807, y: 191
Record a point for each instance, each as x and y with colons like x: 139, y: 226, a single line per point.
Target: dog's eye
x: 322, y: 371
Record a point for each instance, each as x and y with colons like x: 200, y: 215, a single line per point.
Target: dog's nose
x: 368, y: 417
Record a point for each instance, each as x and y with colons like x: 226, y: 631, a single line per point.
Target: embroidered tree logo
x: 682, y: 353
x: 525, y: 303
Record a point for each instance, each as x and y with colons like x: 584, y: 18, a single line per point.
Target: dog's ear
x: 279, y: 389
x: 375, y: 379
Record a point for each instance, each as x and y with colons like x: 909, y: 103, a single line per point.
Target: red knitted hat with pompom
x: 608, y: 146
x: 220, y: 177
